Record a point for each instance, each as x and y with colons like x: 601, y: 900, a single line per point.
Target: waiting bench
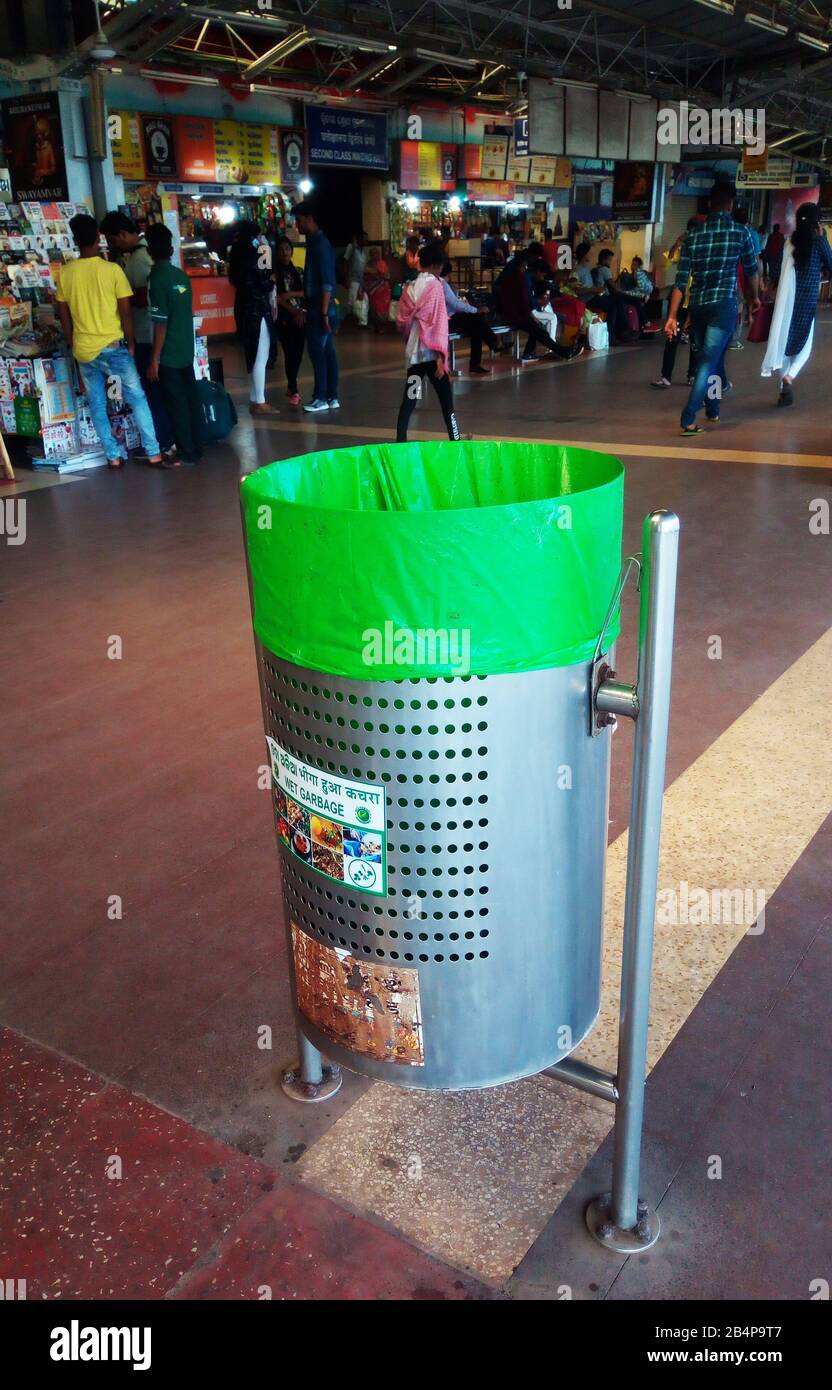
x: 498, y: 329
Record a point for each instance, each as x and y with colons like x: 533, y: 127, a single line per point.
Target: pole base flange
x: 624, y: 1242
x: 293, y: 1085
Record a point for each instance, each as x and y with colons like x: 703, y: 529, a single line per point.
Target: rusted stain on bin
x: 370, y: 1009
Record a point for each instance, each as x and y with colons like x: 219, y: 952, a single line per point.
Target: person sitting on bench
x: 515, y: 303
x: 636, y: 287
x: 604, y: 302
x: 470, y: 322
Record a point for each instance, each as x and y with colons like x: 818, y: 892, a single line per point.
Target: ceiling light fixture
x: 448, y: 58
x: 812, y: 42
x: 192, y: 79
x: 727, y: 6
x: 772, y: 26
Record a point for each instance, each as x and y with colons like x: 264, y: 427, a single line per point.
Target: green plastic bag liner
x: 510, y: 550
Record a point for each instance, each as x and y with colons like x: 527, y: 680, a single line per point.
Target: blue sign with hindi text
x: 348, y: 139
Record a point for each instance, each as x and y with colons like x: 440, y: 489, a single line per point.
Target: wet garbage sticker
x: 371, y: 1009
x: 336, y: 826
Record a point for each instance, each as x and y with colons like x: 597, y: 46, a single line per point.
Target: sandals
x: 693, y: 429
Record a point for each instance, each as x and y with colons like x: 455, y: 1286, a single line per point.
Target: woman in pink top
x: 423, y: 317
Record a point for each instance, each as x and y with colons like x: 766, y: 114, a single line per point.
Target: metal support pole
x: 620, y: 1220
x: 312, y: 1079
x: 584, y: 1077
x: 311, y: 1064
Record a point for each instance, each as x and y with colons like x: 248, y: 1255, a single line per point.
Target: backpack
x: 219, y: 414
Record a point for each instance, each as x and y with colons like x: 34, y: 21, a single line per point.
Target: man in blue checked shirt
x: 711, y: 255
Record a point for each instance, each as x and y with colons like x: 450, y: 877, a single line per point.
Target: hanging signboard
x: 293, y: 156
x: 426, y: 166
x: 194, y: 143
x: 493, y: 190
x: 126, y: 144
x: 159, y: 150
x: 494, y: 157
x: 471, y: 161
x: 632, y: 196
x: 348, y: 139
x: 754, y: 163
x: 544, y: 171
x: 448, y: 167
x: 34, y: 147
x: 517, y: 165
x: 259, y: 153
x: 521, y: 137
x: 778, y: 173
x: 228, y: 152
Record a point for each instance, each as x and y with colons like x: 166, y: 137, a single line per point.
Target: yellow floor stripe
x: 703, y: 454
x: 738, y: 818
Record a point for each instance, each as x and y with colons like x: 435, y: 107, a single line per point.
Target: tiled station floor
x: 146, y: 1149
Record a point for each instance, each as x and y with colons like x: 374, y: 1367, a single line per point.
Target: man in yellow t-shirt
x: 94, y: 310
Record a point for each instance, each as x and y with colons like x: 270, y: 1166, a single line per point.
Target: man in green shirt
x: 172, y: 358
x: 129, y: 248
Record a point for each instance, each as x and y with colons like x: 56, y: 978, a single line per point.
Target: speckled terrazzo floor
x: 104, y: 1196
x: 469, y: 1175
x: 140, y: 778
x: 724, y: 827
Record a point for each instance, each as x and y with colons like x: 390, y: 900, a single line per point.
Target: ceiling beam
x: 160, y: 39
x: 407, y: 77
x: 283, y: 49
x: 369, y: 70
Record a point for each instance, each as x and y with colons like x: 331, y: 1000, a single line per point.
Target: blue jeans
x: 116, y: 366
x: 711, y: 329
x: 155, y: 397
x: 324, y: 363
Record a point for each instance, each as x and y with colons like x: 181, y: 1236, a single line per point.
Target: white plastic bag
x: 599, y: 336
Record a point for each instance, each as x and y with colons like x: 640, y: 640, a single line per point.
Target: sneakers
x: 334, y: 405
x: 662, y: 383
x: 315, y: 407
x: 294, y: 398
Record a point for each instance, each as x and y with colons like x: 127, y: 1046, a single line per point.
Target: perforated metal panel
x: 496, y: 806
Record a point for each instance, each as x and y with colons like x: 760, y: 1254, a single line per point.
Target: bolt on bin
x: 434, y: 627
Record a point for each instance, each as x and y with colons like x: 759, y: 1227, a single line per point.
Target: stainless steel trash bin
x: 478, y: 960
x: 442, y: 831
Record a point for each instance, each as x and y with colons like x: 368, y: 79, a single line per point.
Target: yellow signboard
x: 228, y: 148
x: 429, y: 165
x: 126, y: 142
x: 257, y: 159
